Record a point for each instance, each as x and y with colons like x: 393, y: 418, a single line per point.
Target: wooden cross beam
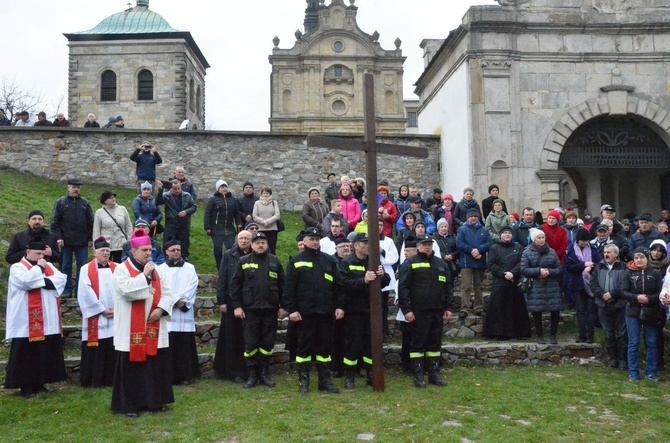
x: 371, y: 148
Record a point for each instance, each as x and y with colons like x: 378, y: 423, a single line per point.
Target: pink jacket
x: 351, y: 210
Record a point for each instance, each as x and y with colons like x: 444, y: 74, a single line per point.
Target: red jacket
x: 390, y: 221
x: 557, y: 239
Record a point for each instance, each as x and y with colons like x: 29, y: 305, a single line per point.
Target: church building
x: 317, y: 85
x: 134, y: 64
x: 558, y: 102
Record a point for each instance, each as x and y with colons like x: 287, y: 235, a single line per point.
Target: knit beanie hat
x: 535, y: 233
x: 582, y: 234
x: 555, y: 213
x: 441, y: 222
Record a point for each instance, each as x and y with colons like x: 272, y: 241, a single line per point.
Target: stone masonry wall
x: 283, y: 162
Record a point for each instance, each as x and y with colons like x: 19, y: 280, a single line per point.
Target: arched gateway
x: 612, y: 149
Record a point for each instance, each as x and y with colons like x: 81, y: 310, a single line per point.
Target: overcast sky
x: 234, y: 35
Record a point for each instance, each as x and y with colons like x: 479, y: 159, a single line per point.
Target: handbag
x: 158, y: 229
x: 651, y: 315
x: 280, y: 224
x: 525, y: 284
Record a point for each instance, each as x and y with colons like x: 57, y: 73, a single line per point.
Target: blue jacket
x: 471, y: 237
x: 423, y: 215
x: 147, y: 210
x: 146, y: 164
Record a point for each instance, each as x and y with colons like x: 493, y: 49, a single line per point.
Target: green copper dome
x: 137, y: 20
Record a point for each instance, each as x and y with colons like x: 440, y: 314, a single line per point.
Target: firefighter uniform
x: 357, y: 341
x: 257, y: 288
x: 423, y: 291
x: 311, y: 289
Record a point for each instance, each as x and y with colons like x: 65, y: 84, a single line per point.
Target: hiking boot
x: 325, y: 383
x: 349, y: 380
x: 417, y: 370
x: 264, y: 378
x: 303, y: 377
x: 434, y: 373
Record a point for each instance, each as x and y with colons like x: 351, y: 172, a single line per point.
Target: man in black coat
x: 35, y: 233
x: 72, y: 224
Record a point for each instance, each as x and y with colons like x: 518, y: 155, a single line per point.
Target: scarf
x: 584, y: 255
x: 143, y: 335
x: 35, y: 308
x: 95, y: 285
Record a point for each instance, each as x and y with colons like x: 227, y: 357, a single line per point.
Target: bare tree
x: 14, y: 98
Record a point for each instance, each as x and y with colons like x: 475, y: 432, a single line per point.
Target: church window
x: 191, y: 95
x: 411, y: 120
x: 338, y: 74
x: 108, y: 86
x: 338, y: 46
x: 338, y: 71
x: 145, y: 85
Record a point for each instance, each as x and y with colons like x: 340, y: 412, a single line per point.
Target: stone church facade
x: 317, y: 85
x: 134, y: 64
x: 559, y: 102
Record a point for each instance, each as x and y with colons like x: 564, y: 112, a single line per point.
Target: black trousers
x: 315, y: 338
x: 260, y: 331
x: 426, y: 333
x: 357, y: 340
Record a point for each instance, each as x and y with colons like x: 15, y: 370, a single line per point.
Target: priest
x: 142, y: 306
x: 95, y: 294
x: 34, y: 324
x: 184, y: 283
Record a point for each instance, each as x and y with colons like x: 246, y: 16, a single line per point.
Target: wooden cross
x: 371, y: 148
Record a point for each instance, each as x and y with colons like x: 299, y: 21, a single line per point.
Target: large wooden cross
x: 371, y: 148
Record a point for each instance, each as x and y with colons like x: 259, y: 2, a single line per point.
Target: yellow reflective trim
x: 420, y: 265
x: 299, y: 359
x: 250, y: 354
x: 264, y: 352
x: 328, y: 277
x: 322, y: 359
x: 367, y: 360
x: 303, y: 264
x: 356, y: 268
x: 433, y: 354
x: 348, y: 362
x: 250, y: 265
x: 416, y: 355
x: 442, y: 278
x: 273, y: 274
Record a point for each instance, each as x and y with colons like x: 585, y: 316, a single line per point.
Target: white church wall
x: 445, y: 115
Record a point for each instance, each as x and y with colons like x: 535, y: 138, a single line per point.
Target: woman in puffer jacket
x: 541, y: 263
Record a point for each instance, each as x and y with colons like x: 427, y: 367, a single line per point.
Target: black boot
x: 252, y: 381
x: 417, y: 368
x: 264, y: 378
x: 349, y: 379
x: 613, y: 362
x: 368, y: 376
x: 434, y: 372
x: 325, y: 383
x: 303, y: 377
x: 537, y: 318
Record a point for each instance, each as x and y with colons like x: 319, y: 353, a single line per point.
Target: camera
x: 148, y: 146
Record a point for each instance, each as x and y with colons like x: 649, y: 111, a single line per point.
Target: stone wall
x: 283, y: 162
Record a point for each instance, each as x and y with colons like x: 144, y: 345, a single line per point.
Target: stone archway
x: 616, y: 102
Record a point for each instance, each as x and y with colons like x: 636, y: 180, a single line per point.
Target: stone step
x: 207, y: 330
x: 512, y: 353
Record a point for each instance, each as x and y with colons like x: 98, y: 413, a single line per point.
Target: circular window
x: 338, y: 46
x: 338, y: 107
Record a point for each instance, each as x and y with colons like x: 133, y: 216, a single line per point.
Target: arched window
x: 191, y: 96
x: 108, y: 86
x: 145, y: 85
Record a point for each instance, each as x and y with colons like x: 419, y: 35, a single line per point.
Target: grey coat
x: 545, y: 293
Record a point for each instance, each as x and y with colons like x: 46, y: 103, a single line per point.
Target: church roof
x: 137, y: 20
x: 136, y: 23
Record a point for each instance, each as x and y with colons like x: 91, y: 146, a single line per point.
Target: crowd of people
x: 136, y: 295
x: 22, y: 119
